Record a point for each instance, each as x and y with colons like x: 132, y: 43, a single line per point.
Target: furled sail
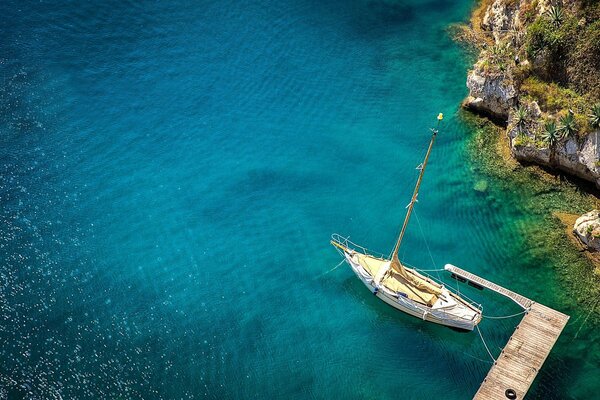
x: 426, y: 291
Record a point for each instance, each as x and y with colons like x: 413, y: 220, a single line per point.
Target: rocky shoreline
x: 538, y: 76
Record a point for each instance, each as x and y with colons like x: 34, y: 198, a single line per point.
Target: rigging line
x: 414, y: 182
x: 506, y: 316
x: 483, y: 341
x: 427, y: 245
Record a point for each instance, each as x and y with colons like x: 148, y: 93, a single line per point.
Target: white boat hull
x: 440, y: 316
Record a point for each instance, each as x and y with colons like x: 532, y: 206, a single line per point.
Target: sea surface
x: 170, y: 176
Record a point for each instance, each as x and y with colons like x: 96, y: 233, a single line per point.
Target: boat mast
x: 416, y: 191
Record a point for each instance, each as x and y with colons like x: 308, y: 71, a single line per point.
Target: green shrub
x: 583, y: 124
x: 589, y: 229
x: 551, y: 97
x: 594, y: 116
x: 523, y: 140
x: 520, y: 117
x: 583, y: 63
x: 499, y: 57
x: 554, y: 41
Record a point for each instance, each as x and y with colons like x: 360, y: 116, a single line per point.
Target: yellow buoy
x: 440, y: 116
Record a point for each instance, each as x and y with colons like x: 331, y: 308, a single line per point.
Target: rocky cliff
x: 537, y: 74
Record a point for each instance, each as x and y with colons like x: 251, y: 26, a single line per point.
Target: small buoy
x: 375, y: 291
x: 440, y: 116
x: 510, y: 394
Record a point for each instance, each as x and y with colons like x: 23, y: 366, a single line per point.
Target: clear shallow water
x: 171, y: 174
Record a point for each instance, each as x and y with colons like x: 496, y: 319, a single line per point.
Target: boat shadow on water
x: 388, y: 314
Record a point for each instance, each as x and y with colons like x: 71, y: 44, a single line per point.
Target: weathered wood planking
x: 517, y: 298
x: 526, y: 350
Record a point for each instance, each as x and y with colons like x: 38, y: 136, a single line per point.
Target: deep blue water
x: 171, y: 173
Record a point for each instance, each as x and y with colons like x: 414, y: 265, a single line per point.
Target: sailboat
x: 403, y: 287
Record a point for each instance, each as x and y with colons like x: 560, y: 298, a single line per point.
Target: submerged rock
x: 587, y: 229
x: 481, y: 186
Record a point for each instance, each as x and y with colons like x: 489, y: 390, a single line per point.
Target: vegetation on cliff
x: 550, y: 50
x: 538, y: 72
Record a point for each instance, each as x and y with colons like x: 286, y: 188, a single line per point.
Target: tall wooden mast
x: 395, y: 261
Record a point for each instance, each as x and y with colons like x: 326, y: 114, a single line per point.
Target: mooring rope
x: 586, y: 318
x: 477, y: 358
x: 429, y: 270
x: 484, y: 344
x: 332, y: 269
x: 506, y: 316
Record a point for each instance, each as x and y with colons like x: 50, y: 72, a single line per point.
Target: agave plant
x: 555, y: 15
x: 594, y: 116
x: 568, y: 127
x: 552, y: 136
x: 498, y: 50
x: 520, y: 119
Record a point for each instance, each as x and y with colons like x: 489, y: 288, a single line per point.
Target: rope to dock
x: 476, y: 358
x: 485, y: 344
x: 429, y: 270
x: 506, y: 316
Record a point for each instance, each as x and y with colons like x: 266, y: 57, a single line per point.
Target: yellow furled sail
x: 397, y: 279
x: 431, y: 291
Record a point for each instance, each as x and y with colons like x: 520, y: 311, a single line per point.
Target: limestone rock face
x: 494, y: 92
x: 490, y: 94
x: 571, y: 156
x: 500, y: 17
x: 587, y: 229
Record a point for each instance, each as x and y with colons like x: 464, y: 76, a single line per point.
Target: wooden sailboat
x: 405, y: 288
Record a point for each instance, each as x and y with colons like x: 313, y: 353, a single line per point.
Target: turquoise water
x: 171, y: 173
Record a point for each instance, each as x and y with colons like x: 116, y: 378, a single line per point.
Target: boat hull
x: 409, y: 306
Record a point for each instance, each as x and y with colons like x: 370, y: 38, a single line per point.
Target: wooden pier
x: 521, y: 359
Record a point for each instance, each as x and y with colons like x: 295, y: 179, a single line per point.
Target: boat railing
x: 463, y: 296
x: 346, y: 242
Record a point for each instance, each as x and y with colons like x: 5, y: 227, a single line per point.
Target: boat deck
x: 526, y: 350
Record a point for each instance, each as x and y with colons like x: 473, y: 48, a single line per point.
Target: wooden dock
x: 523, y: 356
